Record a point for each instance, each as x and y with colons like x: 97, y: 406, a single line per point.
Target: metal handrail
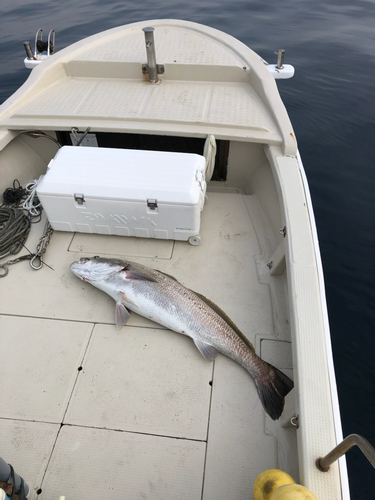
x: 51, y: 46
x: 367, y: 449
x: 36, y: 40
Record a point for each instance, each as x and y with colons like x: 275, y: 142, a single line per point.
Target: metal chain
x: 37, y: 256
x: 42, y: 246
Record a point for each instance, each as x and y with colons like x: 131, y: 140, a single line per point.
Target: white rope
x: 209, y: 152
x: 29, y: 202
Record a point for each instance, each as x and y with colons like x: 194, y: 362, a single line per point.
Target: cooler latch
x: 152, y: 204
x: 79, y: 198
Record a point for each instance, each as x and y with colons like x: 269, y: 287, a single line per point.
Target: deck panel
x: 234, y: 105
x: 130, y: 247
x: 237, y: 449
x: 143, y: 380
x: 97, y: 463
x: 40, y: 369
x: 27, y: 446
x: 188, y: 46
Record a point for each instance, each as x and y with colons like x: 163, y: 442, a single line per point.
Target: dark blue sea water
x: 331, y: 102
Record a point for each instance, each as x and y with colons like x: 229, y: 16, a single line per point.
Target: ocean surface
x: 331, y: 103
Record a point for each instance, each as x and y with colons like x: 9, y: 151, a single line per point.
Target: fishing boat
x: 90, y: 411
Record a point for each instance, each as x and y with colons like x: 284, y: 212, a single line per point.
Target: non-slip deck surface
x: 205, y: 85
x: 144, y: 414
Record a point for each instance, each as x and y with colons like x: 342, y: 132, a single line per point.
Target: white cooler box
x: 149, y: 194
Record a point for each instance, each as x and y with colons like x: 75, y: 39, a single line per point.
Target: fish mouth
x: 94, y: 269
x: 78, y: 271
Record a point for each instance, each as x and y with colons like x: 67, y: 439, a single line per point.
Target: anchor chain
x: 36, y: 261
x: 42, y: 246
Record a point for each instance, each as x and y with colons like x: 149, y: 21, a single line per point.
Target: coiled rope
x: 32, y: 203
x: 14, y: 230
x: 17, y: 213
x: 18, y: 197
x: 14, y: 195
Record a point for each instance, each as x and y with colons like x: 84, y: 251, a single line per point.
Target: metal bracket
x: 79, y: 198
x: 152, y: 204
x: 295, y: 421
x: 160, y: 69
x: 75, y: 131
x: 276, y: 265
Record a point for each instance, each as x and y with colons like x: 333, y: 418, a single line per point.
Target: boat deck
x: 210, y: 82
x: 131, y: 103
x: 90, y: 411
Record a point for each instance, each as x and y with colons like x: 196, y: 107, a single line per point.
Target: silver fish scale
x: 199, y: 320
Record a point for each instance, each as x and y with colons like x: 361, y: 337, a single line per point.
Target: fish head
x: 94, y: 269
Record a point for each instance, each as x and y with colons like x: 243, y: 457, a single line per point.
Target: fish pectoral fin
x: 121, y: 315
x: 208, y: 351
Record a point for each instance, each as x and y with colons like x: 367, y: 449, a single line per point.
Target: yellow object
x: 293, y: 492
x: 269, y: 481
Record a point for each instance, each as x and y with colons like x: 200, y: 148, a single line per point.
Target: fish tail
x: 273, y: 390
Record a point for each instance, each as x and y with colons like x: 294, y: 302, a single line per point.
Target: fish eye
x: 83, y: 260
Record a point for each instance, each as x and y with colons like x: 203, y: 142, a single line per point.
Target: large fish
x: 163, y: 299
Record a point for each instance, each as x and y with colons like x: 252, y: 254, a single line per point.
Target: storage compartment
x: 149, y: 194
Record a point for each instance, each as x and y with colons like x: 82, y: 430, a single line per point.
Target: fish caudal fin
x: 273, y: 391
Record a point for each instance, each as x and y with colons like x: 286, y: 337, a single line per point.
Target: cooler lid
x: 129, y: 174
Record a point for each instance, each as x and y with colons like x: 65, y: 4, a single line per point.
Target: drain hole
x: 80, y: 368
x: 210, y: 382
x: 38, y: 492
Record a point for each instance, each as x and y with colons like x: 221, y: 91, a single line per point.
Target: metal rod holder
x: 151, y: 57
x: 29, y: 52
x: 367, y: 449
x: 280, y: 58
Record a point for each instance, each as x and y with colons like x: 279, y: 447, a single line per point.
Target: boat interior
x: 88, y: 406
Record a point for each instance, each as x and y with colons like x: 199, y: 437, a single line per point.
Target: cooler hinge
x: 79, y: 198
x: 152, y: 204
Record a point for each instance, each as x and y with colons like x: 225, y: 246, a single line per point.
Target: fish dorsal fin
x: 168, y: 276
x: 226, y: 318
x: 121, y: 315
x: 137, y: 275
x: 208, y: 351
